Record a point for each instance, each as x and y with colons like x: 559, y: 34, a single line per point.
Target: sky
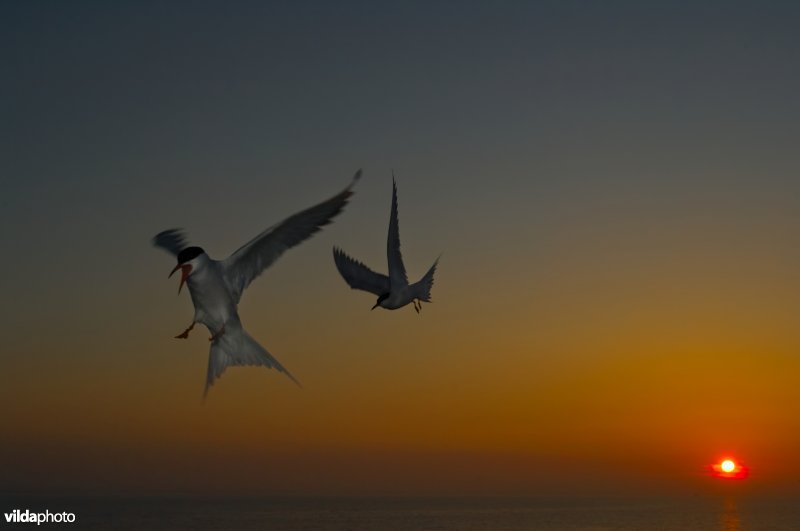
x: 612, y: 187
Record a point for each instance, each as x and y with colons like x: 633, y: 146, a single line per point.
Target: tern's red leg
x: 185, y: 333
x: 218, y: 334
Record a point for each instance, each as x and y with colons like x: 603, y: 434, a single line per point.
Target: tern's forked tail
x: 235, y: 347
x: 422, y: 289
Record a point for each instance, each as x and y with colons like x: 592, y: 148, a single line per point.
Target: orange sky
x: 632, y: 371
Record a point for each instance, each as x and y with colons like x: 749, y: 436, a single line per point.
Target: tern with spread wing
x: 393, y: 291
x: 217, y: 285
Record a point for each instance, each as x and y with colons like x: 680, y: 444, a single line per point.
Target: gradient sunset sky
x: 614, y: 188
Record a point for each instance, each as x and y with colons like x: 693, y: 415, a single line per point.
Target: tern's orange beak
x: 186, y: 269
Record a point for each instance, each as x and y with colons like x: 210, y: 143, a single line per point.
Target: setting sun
x: 729, y: 469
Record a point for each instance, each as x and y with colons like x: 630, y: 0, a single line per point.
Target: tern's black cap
x: 189, y: 253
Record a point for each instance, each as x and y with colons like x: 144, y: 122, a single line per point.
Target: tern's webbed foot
x: 185, y: 333
x: 218, y: 334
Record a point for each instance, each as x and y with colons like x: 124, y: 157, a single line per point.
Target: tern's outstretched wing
x: 172, y: 241
x: 243, y: 266
x: 397, y: 271
x: 359, y: 276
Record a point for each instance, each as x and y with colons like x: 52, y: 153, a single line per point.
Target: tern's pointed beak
x: 185, y: 270
x: 376, y: 305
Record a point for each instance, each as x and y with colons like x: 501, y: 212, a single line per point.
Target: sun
x: 729, y: 468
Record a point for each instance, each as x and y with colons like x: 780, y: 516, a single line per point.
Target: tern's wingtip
x: 292, y: 378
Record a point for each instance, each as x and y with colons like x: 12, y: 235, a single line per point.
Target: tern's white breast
x: 213, y: 303
x: 397, y: 299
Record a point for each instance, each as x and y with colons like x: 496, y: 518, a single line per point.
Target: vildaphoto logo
x: 28, y: 517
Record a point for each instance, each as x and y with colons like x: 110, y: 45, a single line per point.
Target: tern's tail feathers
x: 422, y: 289
x: 235, y: 347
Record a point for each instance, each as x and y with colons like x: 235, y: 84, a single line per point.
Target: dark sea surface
x: 405, y: 514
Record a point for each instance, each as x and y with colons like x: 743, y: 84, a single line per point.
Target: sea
x: 407, y: 514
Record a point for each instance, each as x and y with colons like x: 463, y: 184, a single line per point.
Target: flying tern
x: 393, y: 291
x: 217, y: 285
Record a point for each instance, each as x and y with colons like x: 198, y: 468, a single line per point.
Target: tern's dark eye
x: 190, y: 253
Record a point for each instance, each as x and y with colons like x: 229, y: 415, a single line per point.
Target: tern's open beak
x: 185, y: 270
